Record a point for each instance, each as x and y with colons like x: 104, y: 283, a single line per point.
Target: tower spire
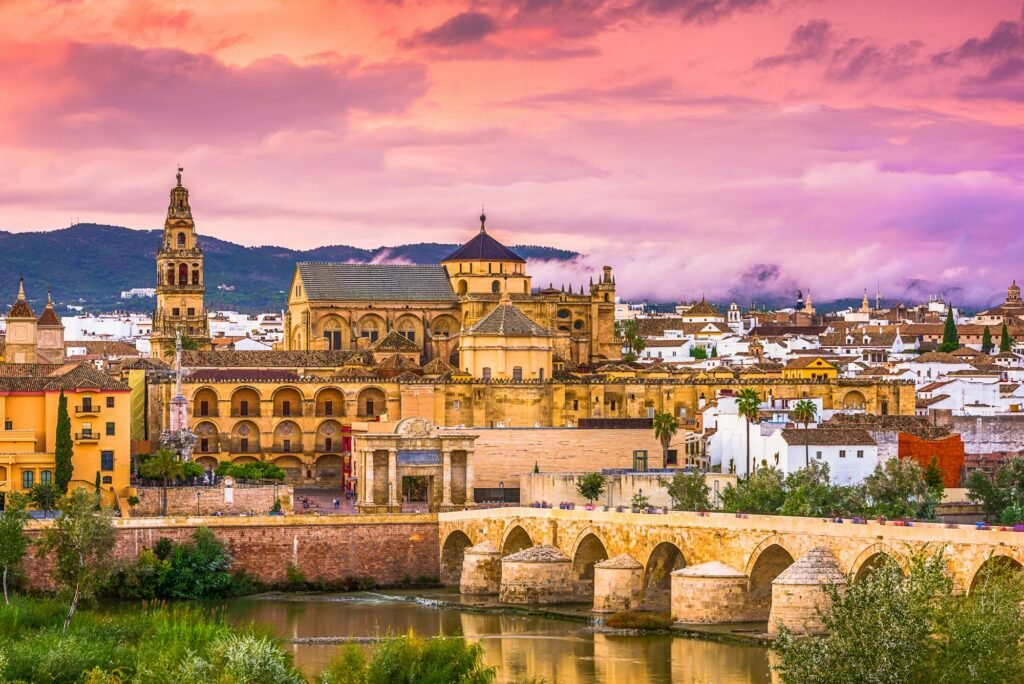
x: 179, y: 174
x: 21, y: 288
x: 483, y: 220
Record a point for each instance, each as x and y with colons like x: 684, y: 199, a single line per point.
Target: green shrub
x: 196, y: 569
x: 637, y: 620
x: 411, y: 659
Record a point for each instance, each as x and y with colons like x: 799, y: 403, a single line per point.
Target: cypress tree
x: 63, y: 447
x: 986, y: 341
x: 950, y: 337
x: 1005, y: 341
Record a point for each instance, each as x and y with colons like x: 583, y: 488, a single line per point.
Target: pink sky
x: 726, y: 147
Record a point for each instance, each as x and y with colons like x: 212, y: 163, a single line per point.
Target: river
x: 562, y: 651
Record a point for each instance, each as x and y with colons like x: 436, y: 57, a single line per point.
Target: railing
x: 90, y: 410
x: 187, y: 287
x: 87, y: 437
x: 293, y: 449
x: 247, y: 414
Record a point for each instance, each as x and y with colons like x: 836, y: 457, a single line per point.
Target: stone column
x: 366, y: 458
x: 446, y: 478
x: 470, y: 501
x: 392, y: 478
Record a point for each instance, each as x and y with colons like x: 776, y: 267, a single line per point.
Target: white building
x: 850, y: 453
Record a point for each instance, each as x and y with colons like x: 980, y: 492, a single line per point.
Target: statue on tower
x: 177, y: 437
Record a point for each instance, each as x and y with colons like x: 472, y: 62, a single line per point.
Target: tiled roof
x: 807, y: 362
x: 396, y: 362
x: 936, y: 357
x: 49, y: 318
x: 507, y: 320
x: 710, y: 569
x: 925, y: 403
x: 21, y: 309
x: 52, y: 378
x: 913, y: 425
x: 395, y: 341
x: 437, y: 366
x: 104, y: 348
x: 542, y: 553
x: 816, y: 567
x: 267, y: 359
x: 250, y: 374
x: 828, y: 437
x: 375, y: 282
x: 622, y: 561
x: 702, y: 308
x: 482, y: 247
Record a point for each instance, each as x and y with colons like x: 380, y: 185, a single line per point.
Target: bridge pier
x: 537, y: 575
x: 798, y: 594
x: 709, y: 593
x: 481, y: 569
x: 618, y: 584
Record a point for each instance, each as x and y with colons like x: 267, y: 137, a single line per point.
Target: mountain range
x: 90, y: 264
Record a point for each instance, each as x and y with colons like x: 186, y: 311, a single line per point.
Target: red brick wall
x: 949, y: 453
x: 263, y: 547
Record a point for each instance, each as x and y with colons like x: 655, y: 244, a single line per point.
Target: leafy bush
x: 411, y: 659
x: 256, y: 470
x: 638, y: 620
x: 689, y: 491
x: 193, y: 570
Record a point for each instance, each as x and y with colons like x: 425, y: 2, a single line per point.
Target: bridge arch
x: 516, y: 538
x: 767, y: 562
x: 874, y: 557
x: 452, y: 552
x: 587, y: 552
x: 999, y: 561
x: 664, y: 558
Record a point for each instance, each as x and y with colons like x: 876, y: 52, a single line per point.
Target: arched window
x: 496, y: 287
x: 170, y: 274
x: 486, y: 373
x: 195, y: 276
x: 540, y: 375
x: 183, y: 274
x: 517, y: 373
x: 463, y: 287
x: 181, y: 240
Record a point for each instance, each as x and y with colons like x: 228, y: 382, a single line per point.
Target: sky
x: 729, y: 148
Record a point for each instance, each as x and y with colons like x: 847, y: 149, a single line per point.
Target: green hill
x: 90, y: 264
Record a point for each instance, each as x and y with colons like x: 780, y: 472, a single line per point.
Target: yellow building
x: 32, y: 340
x: 100, y: 425
x: 334, y: 306
x: 506, y: 345
x: 810, y: 368
x: 179, y: 280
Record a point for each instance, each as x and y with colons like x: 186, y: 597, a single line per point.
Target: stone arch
x: 335, y: 330
x: 999, y: 562
x: 873, y: 558
x: 181, y: 240
x: 372, y: 327
x: 208, y: 442
x: 287, y: 437
x: 854, y: 399
x: 463, y: 287
x: 298, y: 338
x: 496, y: 287
x: 589, y: 550
x: 664, y: 558
x: 205, y: 402
x: 329, y: 401
x: 287, y: 401
x: 408, y: 324
x: 244, y: 459
x: 245, y: 401
x: 444, y: 326
x: 452, y: 553
x: 766, y: 563
x: 208, y: 462
x: 515, y: 539
x: 245, y: 438
x: 329, y: 436
x: 330, y: 469
x: 372, y: 402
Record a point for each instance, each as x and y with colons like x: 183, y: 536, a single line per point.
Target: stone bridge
x: 760, y: 547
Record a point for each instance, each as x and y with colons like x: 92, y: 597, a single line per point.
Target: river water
x: 562, y: 651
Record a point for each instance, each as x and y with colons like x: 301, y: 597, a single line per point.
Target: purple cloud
x: 464, y: 28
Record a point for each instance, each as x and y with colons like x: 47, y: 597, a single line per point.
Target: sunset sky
x: 725, y: 147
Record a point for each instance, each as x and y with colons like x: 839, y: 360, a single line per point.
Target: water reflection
x: 560, y: 651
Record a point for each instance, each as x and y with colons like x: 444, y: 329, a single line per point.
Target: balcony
x: 87, y: 410
x: 251, y: 413
x: 87, y: 437
x: 291, y: 449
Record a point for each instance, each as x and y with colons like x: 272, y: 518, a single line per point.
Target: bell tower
x: 179, y: 280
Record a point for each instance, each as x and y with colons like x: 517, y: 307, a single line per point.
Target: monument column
x: 446, y: 476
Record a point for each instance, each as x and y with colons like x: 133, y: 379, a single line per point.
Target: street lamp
x: 198, y: 494
x: 501, y: 488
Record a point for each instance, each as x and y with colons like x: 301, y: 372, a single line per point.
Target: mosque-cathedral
x: 467, y: 343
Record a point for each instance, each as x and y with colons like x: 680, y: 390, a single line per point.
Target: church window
x: 333, y: 339
x: 191, y: 311
x: 606, y: 296
x: 170, y: 274
x: 328, y: 407
x: 495, y: 287
x: 204, y: 408
x: 195, y: 277
x: 517, y: 373
x: 287, y: 445
x: 181, y: 240
x: 204, y: 444
x: 540, y: 375
x: 243, y: 444
x: 486, y: 373
x: 575, y: 404
x: 183, y: 274
x: 329, y: 441
x: 463, y: 287
x: 578, y: 325
x: 286, y: 408
x: 243, y: 407
x: 564, y: 313
x: 175, y: 311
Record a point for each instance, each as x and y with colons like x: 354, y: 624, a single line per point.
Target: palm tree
x: 163, y: 464
x: 665, y: 428
x: 748, y: 404
x: 804, y: 412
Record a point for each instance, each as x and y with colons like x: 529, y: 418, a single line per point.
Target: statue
x: 178, y: 437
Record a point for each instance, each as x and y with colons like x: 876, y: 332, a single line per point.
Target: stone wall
x: 987, y: 434
x: 237, y: 500
x: 502, y: 455
x: 387, y: 549
x: 556, y: 488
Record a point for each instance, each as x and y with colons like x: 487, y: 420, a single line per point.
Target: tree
x: 748, y: 404
x: 591, y: 486
x: 762, y: 493
x: 80, y: 540
x: 1005, y: 341
x: 912, y: 628
x: 897, y: 490
x: 164, y: 464
x: 698, y: 353
x: 666, y: 426
x: 805, y: 412
x: 187, y: 344
x: 810, y: 493
x: 933, y: 478
x: 986, y: 341
x: 43, y: 496
x: 631, y: 340
x: 13, y: 540
x: 1001, y: 496
x: 714, y: 352
x: 950, y: 336
x: 689, y: 492
x: 63, y: 449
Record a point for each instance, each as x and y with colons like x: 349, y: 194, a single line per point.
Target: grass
x: 630, y: 619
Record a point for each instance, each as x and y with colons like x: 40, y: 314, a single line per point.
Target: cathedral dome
x: 483, y: 248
